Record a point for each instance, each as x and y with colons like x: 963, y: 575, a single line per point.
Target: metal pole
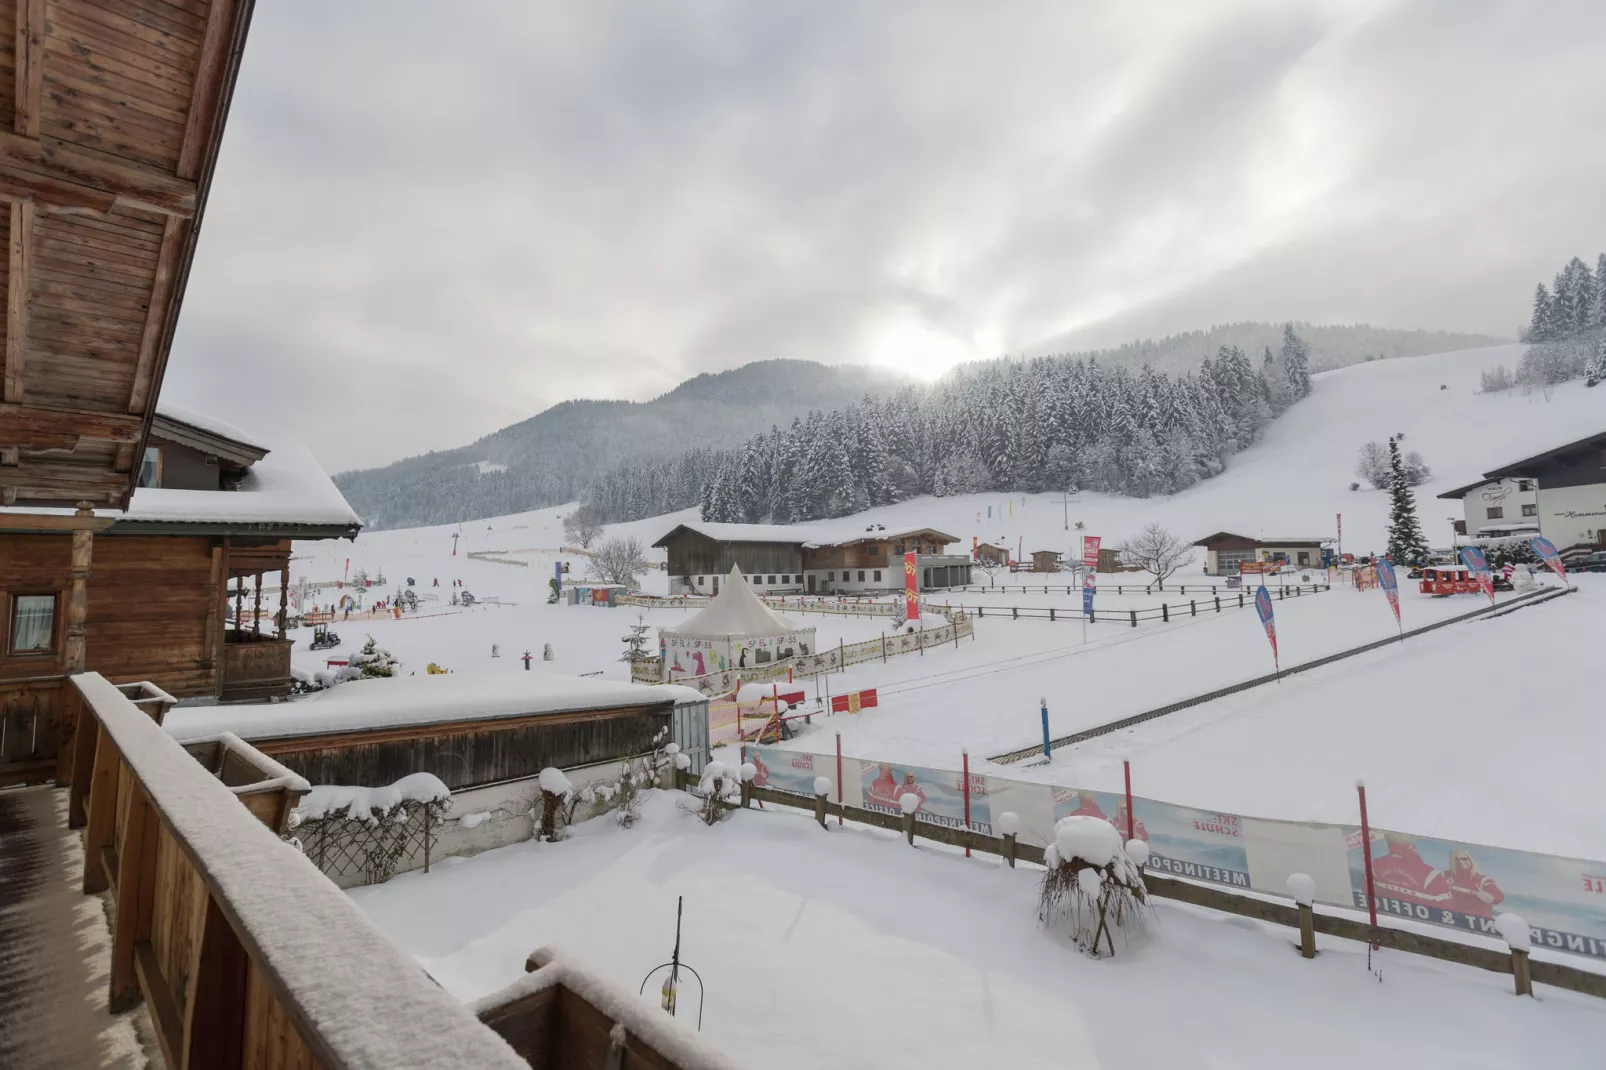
x: 966, y: 760
x: 1047, y: 752
x: 841, y: 806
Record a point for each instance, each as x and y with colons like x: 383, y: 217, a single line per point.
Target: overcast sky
x: 434, y: 219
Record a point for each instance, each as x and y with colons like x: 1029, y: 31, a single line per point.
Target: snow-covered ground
x: 848, y: 949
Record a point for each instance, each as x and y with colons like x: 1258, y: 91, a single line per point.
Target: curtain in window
x: 35, y: 617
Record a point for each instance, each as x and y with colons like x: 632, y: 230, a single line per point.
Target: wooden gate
x: 30, y: 729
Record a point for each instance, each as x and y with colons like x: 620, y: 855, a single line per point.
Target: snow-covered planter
x: 1092, y: 886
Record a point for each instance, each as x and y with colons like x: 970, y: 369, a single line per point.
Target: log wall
x: 467, y: 754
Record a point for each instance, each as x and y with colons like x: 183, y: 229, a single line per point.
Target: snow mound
x: 474, y: 820
x: 1302, y: 886
x: 714, y: 770
x: 1138, y: 852
x: 749, y: 771
x: 1091, y: 839
x: 1514, y: 927
x: 1008, y: 823
x: 909, y: 801
x: 326, y: 800
x: 553, y: 781
x: 822, y: 785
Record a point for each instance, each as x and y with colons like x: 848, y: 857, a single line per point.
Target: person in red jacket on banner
x: 1087, y: 805
x: 762, y: 777
x: 1402, y: 874
x: 883, y: 790
x: 1472, y: 892
x: 1119, y: 821
x: 910, y: 787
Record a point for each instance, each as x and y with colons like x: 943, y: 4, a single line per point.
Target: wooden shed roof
x: 117, y: 110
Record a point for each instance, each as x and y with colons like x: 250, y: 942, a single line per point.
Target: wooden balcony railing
x: 246, y: 956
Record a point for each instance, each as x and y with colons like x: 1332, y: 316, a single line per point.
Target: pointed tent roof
x: 736, y: 610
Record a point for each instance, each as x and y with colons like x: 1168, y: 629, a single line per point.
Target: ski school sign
x: 1390, y: 584
x: 1090, y: 566
x: 1547, y: 553
x: 1479, y: 567
x: 1263, y: 609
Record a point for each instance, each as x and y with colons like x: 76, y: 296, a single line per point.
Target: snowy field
x: 848, y: 949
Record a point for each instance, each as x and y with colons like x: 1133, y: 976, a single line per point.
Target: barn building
x: 779, y: 559
x: 1225, y: 552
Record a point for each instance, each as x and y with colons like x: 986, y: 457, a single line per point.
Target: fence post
x: 1134, y: 618
x: 883, y: 648
x: 1519, y: 970
x: 1126, y: 772
x: 1240, y: 599
x: 1193, y: 608
x: 1014, y: 612
x: 427, y: 813
x: 1165, y: 613
x: 1009, y: 849
x: 1280, y: 592
x: 839, y: 802
x: 1218, y: 602
x: 1307, y: 931
x: 909, y: 827
x: 841, y: 659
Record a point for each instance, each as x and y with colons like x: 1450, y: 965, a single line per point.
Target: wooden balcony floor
x: 55, y: 953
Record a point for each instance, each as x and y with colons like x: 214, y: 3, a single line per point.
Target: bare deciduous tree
x: 583, y: 526
x: 1372, y: 465
x: 618, y: 560
x: 1157, y: 552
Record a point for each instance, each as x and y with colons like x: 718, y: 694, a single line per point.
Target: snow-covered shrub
x: 720, y: 792
x: 374, y: 660
x: 642, y: 773
x: 555, y: 787
x: 1092, y: 885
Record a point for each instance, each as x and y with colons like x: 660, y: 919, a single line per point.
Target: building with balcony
x: 1560, y: 494
x: 809, y: 559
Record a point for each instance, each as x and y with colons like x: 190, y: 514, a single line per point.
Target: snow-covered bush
x: 555, y: 787
x: 720, y: 792
x: 374, y: 660
x: 1092, y: 885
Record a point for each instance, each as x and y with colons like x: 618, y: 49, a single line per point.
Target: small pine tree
x: 1595, y: 370
x: 636, y: 641
x: 1407, y: 546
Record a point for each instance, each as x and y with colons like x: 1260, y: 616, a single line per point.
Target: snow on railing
x: 343, y: 995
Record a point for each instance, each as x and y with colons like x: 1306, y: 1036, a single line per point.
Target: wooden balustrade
x: 245, y: 954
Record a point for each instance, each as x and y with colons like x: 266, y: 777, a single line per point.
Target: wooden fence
x: 1271, y: 910
x: 1163, y: 613
x: 1199, y: 589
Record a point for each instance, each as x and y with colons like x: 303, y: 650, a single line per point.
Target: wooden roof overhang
x: 117, y: 111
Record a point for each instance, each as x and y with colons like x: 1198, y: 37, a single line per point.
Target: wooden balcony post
x: 102, y: 815
x: 72, y: 713
x: 136, y: 896
x: 256, y: 607
x: 284, y: 600
x: 215, y: 1007
x: 83, y: 765
x: 83, y: 544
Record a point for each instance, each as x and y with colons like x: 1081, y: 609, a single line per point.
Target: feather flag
x: 1263, y: 607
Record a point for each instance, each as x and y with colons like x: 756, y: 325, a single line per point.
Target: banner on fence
x: 1263, y: 609
x: 1432, y: 881
x: 853, y: 701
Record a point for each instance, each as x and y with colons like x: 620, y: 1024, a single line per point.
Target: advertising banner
x: 940, y: 791
x: 1464, y: 886
x: 854, y: 701
x: 1263, y: 608
x: 1479, y: 566
x: 911, y: 588
x: 1547, y: 553
x: 1390, y: 584
x: 1183, y: 842
x: 789, y: 770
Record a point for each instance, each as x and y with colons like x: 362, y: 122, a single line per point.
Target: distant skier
x: 496, y: 651
x: 526, y: 657
x: 546, y: 652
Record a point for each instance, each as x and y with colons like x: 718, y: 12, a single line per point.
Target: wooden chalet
x: 116, y: 557
x: 781, y: 559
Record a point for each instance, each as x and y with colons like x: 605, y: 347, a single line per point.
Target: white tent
x: 736, y: 631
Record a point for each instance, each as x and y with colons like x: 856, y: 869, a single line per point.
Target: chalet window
x: 700, y: 580
x: 861, y: 575
x: 1304, y: 557
x: 831, y: 576
x: 878, y: 575
x: 1530, y: 510
x: 1525, y: 484
x: 33, y: 624
x: 1495, y: 512
x: 900, y: 549
x: 771, y: 581
x: 150, y: 469
x: 875, y: 549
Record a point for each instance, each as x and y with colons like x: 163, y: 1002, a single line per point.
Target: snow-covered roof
x: 413, y: 700
x: 735, y: 610
x: 211, y: 425
x: 827, y: 533
x: 286, y: 488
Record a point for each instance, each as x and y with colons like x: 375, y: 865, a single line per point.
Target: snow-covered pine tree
x: 1539, y: 325
x: 1296, y: 362
x: 1406, y: 545
x: 1600, y: 292
x: 1595, y: 371
x: 636, y: 641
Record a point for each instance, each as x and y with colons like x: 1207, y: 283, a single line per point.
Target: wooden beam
x: 56, y: 194
x: 30, y: 66
x: 50, y: 523
x: 91, y: 174
x: 167, y: 264
x: 17, y: 301
x: 57, y: 481
x: 210, y: 68
x: 22, y: 425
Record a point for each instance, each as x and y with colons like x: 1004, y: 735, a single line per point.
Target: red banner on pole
x: 911, y: 588
x: 1090, y: 552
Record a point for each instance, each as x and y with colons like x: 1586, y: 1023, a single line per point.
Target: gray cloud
x: 431, y: 221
